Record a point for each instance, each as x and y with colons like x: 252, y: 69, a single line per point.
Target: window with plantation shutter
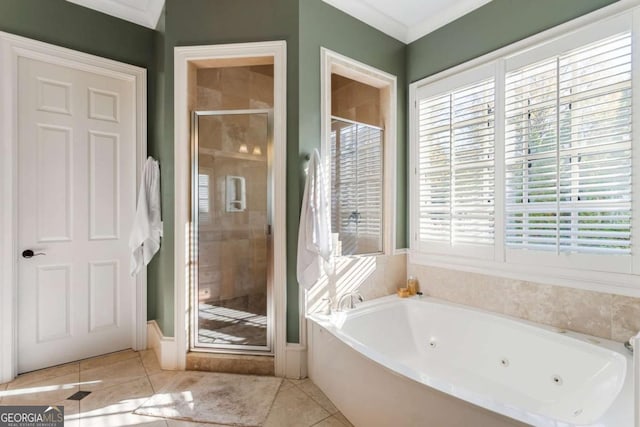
x: 356, y: 187
x: 456, y: 170
x: 568, y: 158
x: 525, y: 162
x: 203, y: 198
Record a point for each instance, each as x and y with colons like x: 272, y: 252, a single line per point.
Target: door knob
x: 28, y: 253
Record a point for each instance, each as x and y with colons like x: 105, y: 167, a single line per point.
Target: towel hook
x: 305, y: 163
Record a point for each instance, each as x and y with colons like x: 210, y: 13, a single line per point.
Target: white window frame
x: 335, y: 63
x: 618, y: 277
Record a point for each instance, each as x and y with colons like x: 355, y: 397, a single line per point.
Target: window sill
x: 607, y: 282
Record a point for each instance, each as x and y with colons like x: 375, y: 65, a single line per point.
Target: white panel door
x: 76, y: 174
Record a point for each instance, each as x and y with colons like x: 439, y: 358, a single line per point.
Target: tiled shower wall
x: 233, y: 245
x: 356, y: 101
x: 603, y: 315
x: 233, y: 88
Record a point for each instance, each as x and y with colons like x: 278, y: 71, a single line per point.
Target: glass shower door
x: 231, y: 285
x: 356, y: 187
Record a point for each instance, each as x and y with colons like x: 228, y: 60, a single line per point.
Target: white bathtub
x: 422, y: 361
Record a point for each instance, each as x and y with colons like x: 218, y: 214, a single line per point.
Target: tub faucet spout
x: 629, y: 346
x: 351, y: 297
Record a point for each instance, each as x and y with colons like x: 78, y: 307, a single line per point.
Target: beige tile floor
x: 121, y: 382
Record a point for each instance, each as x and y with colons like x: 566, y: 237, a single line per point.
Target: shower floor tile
x: 225, y: 325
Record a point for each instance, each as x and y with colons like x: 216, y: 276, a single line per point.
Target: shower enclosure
x: 231, y: 287
x: 356, y: 186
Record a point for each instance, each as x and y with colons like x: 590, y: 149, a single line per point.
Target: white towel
x: 144, y: 240
x: 314, y: 234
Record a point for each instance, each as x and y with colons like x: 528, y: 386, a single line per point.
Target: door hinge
x: 267, y: 229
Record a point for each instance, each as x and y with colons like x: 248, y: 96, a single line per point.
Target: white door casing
x: 74, y: 140
x: 184, y: 58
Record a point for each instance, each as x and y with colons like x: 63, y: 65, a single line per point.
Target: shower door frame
x: 194, y: 344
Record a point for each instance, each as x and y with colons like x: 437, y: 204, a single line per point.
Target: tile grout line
x: 79, y: 381
x: 274, y: 399
x: 318, y: 403
x: 153, y: 389
x: 147, y: 373
x: 144, y: 366
x: 324, y: 419
x: 611, y: 318
x: 79, y: 401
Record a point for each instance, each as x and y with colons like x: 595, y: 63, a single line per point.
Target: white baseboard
x: 164, y: 347
x: 296, y: 361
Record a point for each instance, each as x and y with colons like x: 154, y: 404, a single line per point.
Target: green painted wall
x: 305, y: 25
x: 492, y: 26
x: 66, y: 24
x: 196, y: 22
x: 323, y: 25
x: 193, y: 22
x: 159, y: 301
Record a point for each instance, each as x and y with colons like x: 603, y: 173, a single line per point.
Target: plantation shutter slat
x: 568, y: 151
x: 456, y: 154
x: 203, y: 198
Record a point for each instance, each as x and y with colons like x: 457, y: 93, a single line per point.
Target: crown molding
x: 141, y: 12
x: 363, y: 11
x: 434, y: 21
x: 372, y: 16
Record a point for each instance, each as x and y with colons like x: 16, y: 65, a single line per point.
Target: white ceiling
x: 407, y: 20
x: 141, y: 12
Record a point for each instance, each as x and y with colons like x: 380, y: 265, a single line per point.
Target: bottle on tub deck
x: 412, y: 285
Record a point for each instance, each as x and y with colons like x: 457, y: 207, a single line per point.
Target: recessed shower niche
x: 232, y: 128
